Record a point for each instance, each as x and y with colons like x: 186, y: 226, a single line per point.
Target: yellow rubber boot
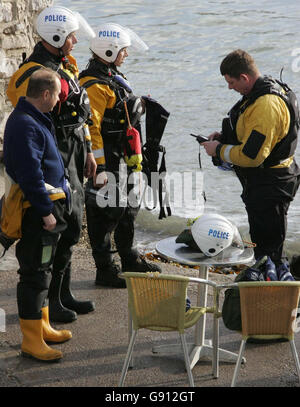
x: 33, y: 343
x: 50, y: 334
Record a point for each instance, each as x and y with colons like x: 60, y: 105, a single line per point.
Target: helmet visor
x: 137, y: 44
x: 84, y: 30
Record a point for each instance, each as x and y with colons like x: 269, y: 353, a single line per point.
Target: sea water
x: 187, y: 41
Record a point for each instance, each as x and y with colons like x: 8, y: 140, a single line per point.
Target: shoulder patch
x: 253, y: 144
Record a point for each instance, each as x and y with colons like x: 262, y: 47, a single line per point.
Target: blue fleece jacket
x: 31, y: 156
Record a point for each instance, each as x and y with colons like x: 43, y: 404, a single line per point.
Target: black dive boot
x: 107, y: 276
x: 138, y: 265
x: 57, y: 312
x: 68, y: 300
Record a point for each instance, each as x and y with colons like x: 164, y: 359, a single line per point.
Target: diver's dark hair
x: 237, y: 63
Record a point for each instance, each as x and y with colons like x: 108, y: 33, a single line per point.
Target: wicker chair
x: 268, y: 311
x: 158, y: 302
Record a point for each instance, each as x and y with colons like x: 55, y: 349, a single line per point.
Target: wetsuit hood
x: 96, y: 67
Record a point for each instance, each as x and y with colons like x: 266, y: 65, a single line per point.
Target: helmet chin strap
x: 52, y: 49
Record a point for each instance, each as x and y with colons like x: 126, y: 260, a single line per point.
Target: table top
x: 181, y: 253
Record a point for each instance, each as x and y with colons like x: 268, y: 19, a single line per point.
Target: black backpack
x: 231, y: 310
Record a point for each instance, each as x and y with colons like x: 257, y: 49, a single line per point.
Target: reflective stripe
x: 98, y: 153
x: 54, y: 194
x: 227, y: 153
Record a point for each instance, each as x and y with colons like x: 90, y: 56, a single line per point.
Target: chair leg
x: 130, y: 329
x: 215, y: 358
x: 128, y: 358
x: 187, y: 360
x: 295, y: 355
x: 238, y: 363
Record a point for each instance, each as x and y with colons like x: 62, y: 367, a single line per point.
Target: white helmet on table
x: 214, y: 233
x: 54, y: 24
x: 111, y: 38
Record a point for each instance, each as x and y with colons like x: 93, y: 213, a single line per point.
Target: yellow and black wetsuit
x: 259, y: 138
x: 101, y: 97
x: 109, y: 121
x: 107, y: 132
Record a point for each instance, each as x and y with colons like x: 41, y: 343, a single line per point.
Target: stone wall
x: 16, y: 37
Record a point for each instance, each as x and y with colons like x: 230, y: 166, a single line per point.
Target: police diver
x: 108, y: 88
x: 259, y: 139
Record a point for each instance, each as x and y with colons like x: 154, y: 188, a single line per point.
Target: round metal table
x: 180, y: 253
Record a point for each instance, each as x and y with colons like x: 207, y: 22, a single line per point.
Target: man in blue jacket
x: 33, y: 162
x: 57, y: 26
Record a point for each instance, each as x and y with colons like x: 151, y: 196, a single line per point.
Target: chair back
x: 157, y: 301
x: 269, y: 309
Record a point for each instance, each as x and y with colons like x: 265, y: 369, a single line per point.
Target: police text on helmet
x: 114, y: 34
x: 57, y: 17
x: 218, y: 234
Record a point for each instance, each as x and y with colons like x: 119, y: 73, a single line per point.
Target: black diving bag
x: 231, y: 309
x: 155, y: 123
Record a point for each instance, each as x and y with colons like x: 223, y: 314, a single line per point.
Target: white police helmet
x: 111, y: 38
x: 214, y: 233
x: 54, y: 24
